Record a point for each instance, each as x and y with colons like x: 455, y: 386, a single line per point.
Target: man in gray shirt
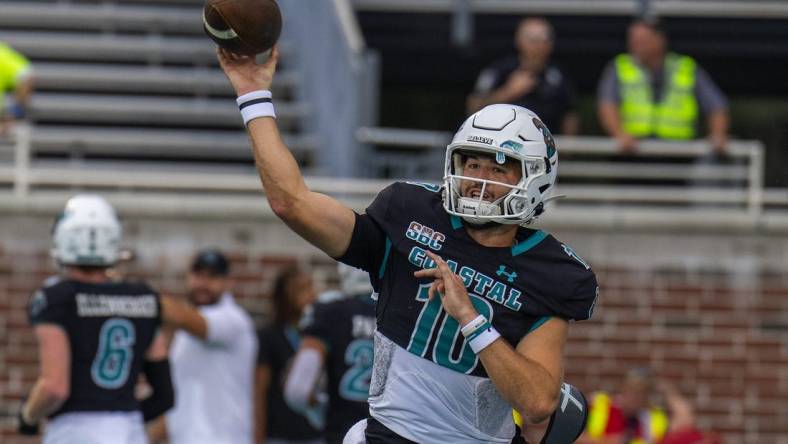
x: 652, y: 93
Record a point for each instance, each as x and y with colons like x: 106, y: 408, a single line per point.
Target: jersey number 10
x: 450, y: 349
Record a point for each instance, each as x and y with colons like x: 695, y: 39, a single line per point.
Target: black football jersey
x: 110, y: 327
x: 345, y: 327
x: 517, y: 288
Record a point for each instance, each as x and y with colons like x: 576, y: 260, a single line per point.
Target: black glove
x: 23, y: 427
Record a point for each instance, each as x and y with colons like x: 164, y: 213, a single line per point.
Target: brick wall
x: 725, y: 349
x: 721, y: 336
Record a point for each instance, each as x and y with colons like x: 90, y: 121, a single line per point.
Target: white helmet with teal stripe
x: 505, y: 132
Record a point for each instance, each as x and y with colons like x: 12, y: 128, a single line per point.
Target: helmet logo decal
x: 511, y: 144
x: 548, y: 136
x: 481, y: 139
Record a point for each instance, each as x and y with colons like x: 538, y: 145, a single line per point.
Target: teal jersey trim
x: 385, y: 259
x: 532, y: 241
x: 427, y: 186
x: 456, y: 223
x: 539, y: 323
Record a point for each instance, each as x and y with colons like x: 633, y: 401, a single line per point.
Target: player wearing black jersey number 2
x: 459, y: 345
x: 337, y: 337
x: 95, y: 336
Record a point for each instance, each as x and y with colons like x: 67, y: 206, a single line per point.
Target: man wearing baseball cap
x: 213, y: 356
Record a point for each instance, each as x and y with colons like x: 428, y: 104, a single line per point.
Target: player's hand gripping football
x: 451, y: 289
x: 245, y: 74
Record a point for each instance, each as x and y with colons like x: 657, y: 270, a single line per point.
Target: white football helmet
x: 503, y: 132
x: 87, y: 233
x: 353, y: 281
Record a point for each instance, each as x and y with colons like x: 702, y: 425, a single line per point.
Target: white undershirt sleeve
x: 302, y: 379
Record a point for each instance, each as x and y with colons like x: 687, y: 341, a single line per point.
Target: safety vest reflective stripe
x: 676, y: 113
x: 518, y: 418
x: 599, y: 416
x: 658, y: 424
x: 12, y: 65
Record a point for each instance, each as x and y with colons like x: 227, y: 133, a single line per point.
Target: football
x: 246, y: 27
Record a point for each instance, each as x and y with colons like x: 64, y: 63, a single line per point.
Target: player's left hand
x: 24, y: 427
x: 450, y: 288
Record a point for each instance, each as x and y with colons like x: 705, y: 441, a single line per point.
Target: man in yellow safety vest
x: 16, y: 85
x: 649, y: 92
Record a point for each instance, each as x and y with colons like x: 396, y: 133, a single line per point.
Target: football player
x: 338, y: 338
x: 474, y: 306
x: 95, y: 336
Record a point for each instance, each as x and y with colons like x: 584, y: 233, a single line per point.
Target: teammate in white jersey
x: 447, y: 368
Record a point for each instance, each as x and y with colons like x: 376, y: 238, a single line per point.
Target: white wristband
x: 472, y: 326
x: 483, y: 338
x: 256, y: 104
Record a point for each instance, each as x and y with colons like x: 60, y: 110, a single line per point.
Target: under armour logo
x: 566, y: 390
x: 509, y: 276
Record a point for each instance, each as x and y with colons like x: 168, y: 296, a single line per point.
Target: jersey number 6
x: 110, y: 369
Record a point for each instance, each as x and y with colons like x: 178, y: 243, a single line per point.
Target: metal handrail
x: 146, y: 180
x: 681, y: 8
x: 350, y: 27
x: 750, y: 151
x: 22, y: 155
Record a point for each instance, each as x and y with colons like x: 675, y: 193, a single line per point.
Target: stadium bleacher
x: 130, y: 103
x: 104, y: 69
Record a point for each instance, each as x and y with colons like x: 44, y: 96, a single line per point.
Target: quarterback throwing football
x: 474, y: 307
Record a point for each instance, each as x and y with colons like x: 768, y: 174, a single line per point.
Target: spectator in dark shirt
x: 276, y: 422
x: 529, y: 79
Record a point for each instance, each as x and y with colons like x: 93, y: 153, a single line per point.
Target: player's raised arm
x: 320, y: 219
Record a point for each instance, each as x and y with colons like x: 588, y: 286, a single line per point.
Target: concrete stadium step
x: 150, y: 110
x: 197, y: 50
x: 153, y: 143
x: 103, y: 17
x: 144, y: 79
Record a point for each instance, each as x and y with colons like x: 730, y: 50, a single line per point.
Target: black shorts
x: 377, y: 433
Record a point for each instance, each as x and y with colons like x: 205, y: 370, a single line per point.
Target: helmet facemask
x: 512, y: 208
